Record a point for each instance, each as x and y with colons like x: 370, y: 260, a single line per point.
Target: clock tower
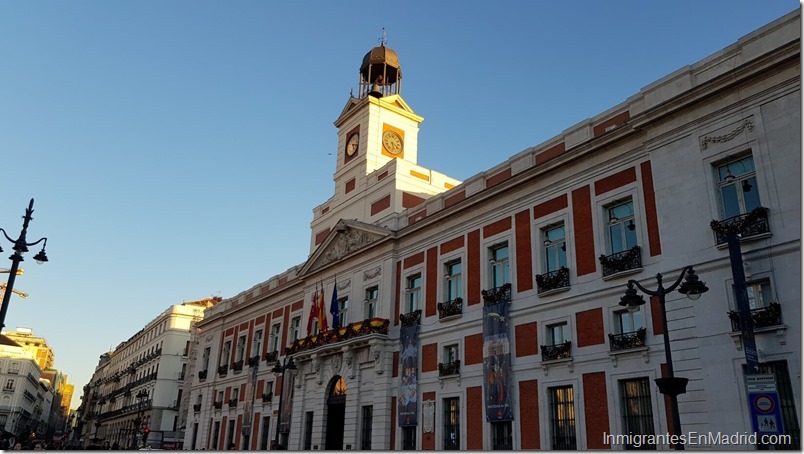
x: 376, y: 174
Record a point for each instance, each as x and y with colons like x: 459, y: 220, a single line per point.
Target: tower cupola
x: 380, y: 73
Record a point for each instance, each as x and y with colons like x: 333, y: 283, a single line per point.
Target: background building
x: 485, y: 314
x: 134, y: 396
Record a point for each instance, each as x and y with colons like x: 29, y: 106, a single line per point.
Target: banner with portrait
x: 497, y: 363
x: 409, y: 376
x: 288, y: 383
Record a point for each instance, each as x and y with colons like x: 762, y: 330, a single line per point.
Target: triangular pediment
x: 345, y: 239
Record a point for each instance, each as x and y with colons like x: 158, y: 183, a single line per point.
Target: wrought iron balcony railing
x: 762, y: 317
x: 450, y: 368
x: 232, y: 403
x: 217, y: 405
x: 411, y: 318
x: 267, y: 397
x: 625, y: 341
x: 501, y: 294
x: 450, y: 308
x: 196, y: 407
x: 343, y: 333
x: 271, y: 357
x: 254, y: 361
x: 237, y: 366
x: 202, y: 374
x: 553, y: 280
x: 223, y: 370
x: 745, y: 225
x: 557, y: 351
x: 621, y: 261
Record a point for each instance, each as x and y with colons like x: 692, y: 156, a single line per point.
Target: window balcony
x: 237, y: 366
x: 501, y: 294
x: 553, y: 281
x: 223, y: 370
x: 762, y: 317
x: 411, y: 318
x: 746, y: 225
x: 196, y: 407
x: 558, y: 351
x: 451, y: 368
x: 254, y: 361
x: 621, y: 261
x: 342, y: 334
x: 217, y: 405
x: 627, y: 341
x: 202, y: 375
x: 232, y: 403
x: 267, y: 397
x: 450, y: 308
x: 271, y: 357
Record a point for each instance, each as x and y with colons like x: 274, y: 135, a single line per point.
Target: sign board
x: 763, y: 402
x: 428, y: 413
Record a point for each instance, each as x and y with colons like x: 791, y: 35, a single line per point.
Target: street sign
x: 763, y: 401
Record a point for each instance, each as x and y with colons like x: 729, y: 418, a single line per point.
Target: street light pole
x: 20, y: 247
x: 671, y: 385
x: 279, y: 369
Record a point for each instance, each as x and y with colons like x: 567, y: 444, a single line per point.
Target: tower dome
x: 380, y: 73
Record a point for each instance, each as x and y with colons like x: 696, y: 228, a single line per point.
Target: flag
x: 322, y: 311
x: 333, y: 307
x: 313, y: 312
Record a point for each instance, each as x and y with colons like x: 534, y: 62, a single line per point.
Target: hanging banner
x: 409, y: 375
x: 288, y: 383
x: 497, y: 363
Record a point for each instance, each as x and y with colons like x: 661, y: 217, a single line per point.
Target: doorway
x: 336, y: 411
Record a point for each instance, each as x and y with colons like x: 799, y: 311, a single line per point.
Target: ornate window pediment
x: 345, y: 238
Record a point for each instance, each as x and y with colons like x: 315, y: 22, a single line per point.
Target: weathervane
x: 384, y: 38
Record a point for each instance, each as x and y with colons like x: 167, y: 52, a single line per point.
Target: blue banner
x: 409, y: 376
x: 497, y: 363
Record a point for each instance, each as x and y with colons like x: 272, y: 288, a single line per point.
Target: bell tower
x: 376, y: 173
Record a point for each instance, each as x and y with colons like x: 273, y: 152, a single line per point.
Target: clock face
x: 352, y: 143
x: 392, y: 142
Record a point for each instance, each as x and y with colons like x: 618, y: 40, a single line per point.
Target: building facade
x: 134, y: 396
x: 26, y: 400
x: 485, y: 314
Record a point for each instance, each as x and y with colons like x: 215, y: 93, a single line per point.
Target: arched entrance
x: 336, y: 411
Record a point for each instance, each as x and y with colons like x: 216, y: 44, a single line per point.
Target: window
x: 215, y: 432
x: 227, y: 350
x: 562, y: 418
x: 454, y: 285
x: 343, y: 311
x: 14, y: 368
x: 370, y: 303
x: 414, y: 290
x: 220, y: 396
x: 501, y: 436
x: 365, y: 431
x: 787, y: 402
x: 257, y: 343
x: 555, y: 248
x: 760, y: 294
x: 500, y: 272
x: 452, y: 424
x: 265, y: 433
x: 241, y: 348
x: 737, y: 182
x: 557, y: 333
x: 230, y: 434
x: 9, y: 385
x: 198, y: 399
x: 637, y: 411
x: 295, y: 328
x: 235, y: 393
x: 273, y: 341
x: 409, y: 438
x: 628, y: 321
x: 308, y: 431
x: 451, y: 353
x: 622, y: 229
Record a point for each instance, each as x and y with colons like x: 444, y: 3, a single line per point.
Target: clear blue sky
x: 176, y: 149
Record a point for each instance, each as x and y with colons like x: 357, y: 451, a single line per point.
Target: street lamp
x: 20, y: 247
x: 279, y: 369
x: 671, y: 385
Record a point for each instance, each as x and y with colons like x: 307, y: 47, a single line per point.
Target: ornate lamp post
x: 279, y: 369
x: 138, y: 430
x: 20, y: 247
x: 671, y: 385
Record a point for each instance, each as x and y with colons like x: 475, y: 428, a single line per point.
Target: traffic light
x: 146, y: 430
